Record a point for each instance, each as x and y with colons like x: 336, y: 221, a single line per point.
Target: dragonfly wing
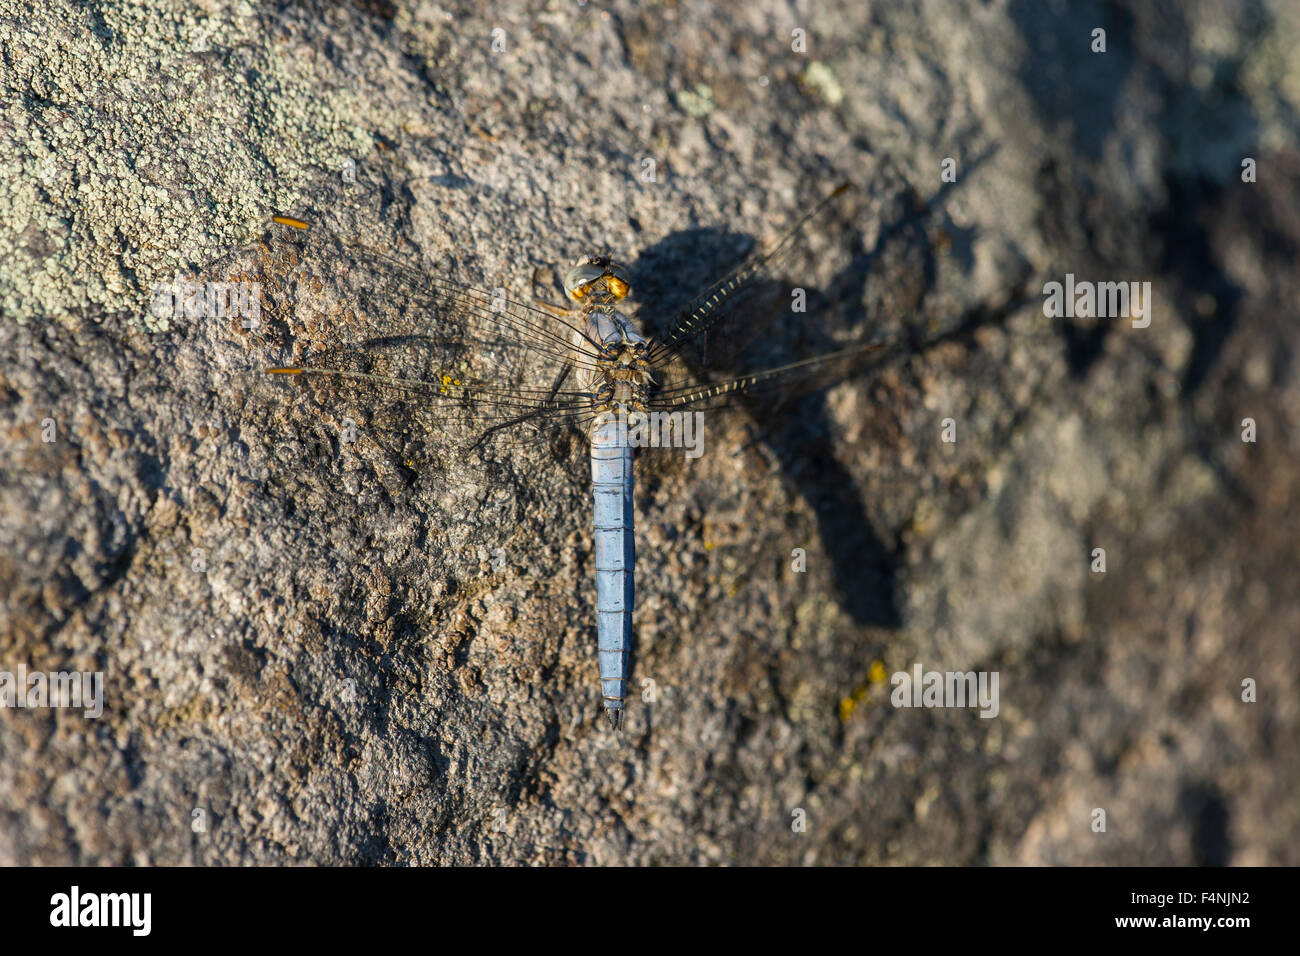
x: 411, y: 300
x: 719, y: 302
x: 373, y: 333
x: 785, y: 381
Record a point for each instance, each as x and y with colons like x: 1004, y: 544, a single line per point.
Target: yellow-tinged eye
x: 617, y: 286
x: 579, y: 291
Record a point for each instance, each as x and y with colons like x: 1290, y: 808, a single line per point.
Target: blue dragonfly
x: 501, y: 373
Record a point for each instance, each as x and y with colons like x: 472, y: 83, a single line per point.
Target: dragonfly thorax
x: 621, y: 378
x: 619, y: 371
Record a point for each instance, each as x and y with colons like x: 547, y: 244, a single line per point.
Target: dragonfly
x: 499, y: 368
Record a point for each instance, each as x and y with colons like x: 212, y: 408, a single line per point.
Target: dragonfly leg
x: 556, y: 310
x: 559, y: 311
x: 559, y: 381
x: 520, y: 419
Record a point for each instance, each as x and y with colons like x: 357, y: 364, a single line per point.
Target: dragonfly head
x: 597, y: 279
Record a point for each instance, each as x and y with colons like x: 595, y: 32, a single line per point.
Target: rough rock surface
x: 333, y: 659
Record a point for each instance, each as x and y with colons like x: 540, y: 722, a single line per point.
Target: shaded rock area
x: 324, y: 651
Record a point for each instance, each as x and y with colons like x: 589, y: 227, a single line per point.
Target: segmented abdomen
x: 611, y: 478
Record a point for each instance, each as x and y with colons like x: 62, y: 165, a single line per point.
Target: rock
x: 327, y: 651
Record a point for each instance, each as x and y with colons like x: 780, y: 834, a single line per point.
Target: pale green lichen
x: 153, y: 141
x: 698, y: 102
x: 817, y: 77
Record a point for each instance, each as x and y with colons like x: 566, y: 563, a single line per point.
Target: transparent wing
x: 718, y: 302
x: 791, y: 379
x: 414, y: 301
x: 678, y: 385
x: 403, y: 348
x: 790, y: 313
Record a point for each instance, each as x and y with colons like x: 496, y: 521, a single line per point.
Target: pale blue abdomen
x: 611, y: 478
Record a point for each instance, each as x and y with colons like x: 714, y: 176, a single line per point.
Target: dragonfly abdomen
x: 611, y: 479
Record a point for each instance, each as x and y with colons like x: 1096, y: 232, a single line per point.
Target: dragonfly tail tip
x: 615, y: 718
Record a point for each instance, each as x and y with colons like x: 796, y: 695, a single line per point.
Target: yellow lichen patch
x: 876, y: 675
x: 197, y: 710
x: 847, y: 706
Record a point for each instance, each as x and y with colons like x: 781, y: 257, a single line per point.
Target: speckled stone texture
x: 337, y: 658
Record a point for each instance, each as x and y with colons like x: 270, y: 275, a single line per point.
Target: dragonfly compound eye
x: 597, y: 276
x: 617, y: 281
x: 582, y: 275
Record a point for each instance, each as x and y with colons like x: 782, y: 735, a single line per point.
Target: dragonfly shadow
x: 775, y: 321
x: 762, y: 332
